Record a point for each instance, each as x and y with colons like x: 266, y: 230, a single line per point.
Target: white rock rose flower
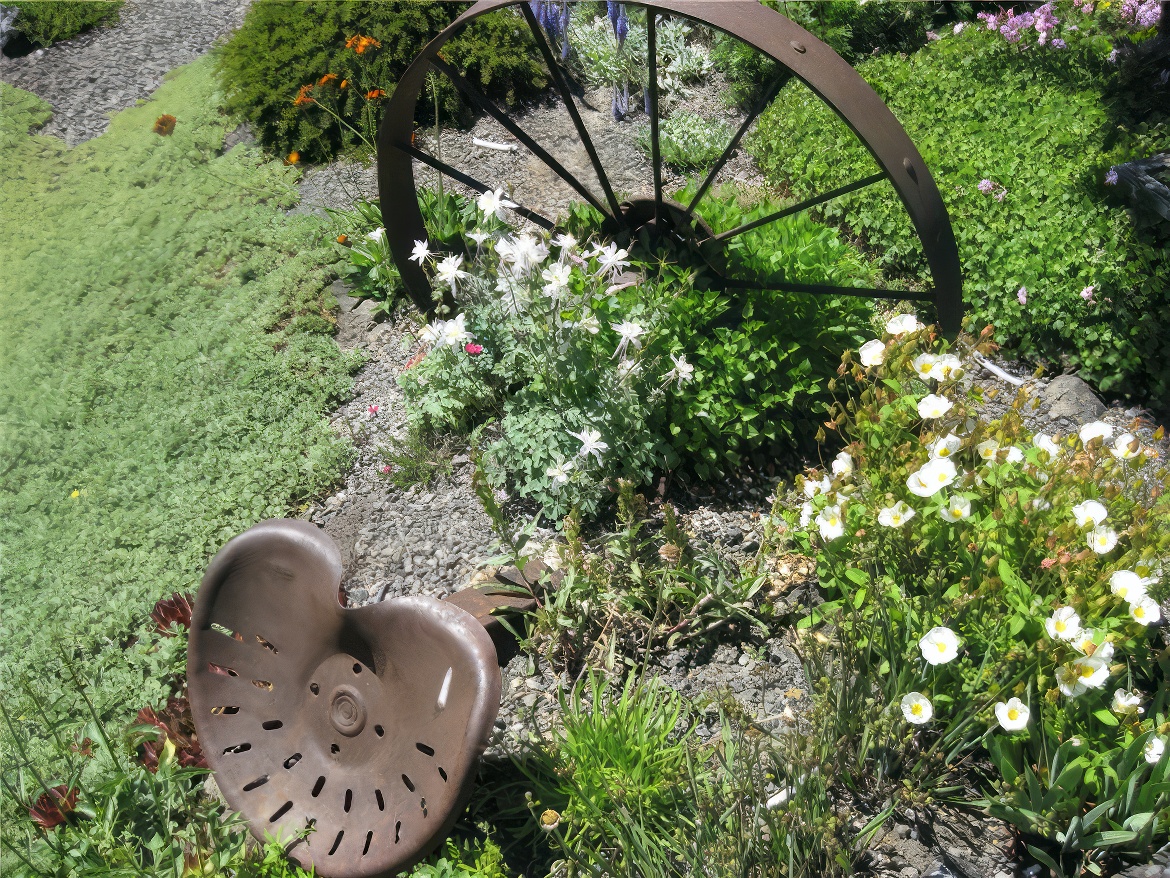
x: 946, y: 367
x: 1046, y: 443
x: 1154, y: 749
x: 933, y: 406
x: 956, y: 509
x: 987, y: 450
x: 945, y: 446
x: 932, y: 477
x: 1063, y: 624
x: 1014, y: 455
x: 923, y: 366
x: 939, y: 645
x: 1094, y: 430
x: 1127, y: 703
x: 1012, y: 715
x: 842, y: 464
x: 1090, y: 513
x: 1081, y: 675
x: 806, y: 511
x: 1102, y: 539
x: 896, y: 515
x: 1127, y: 585
x: 813, y: 487
x: 1146, y: 611
x: 902, y: 324
x: 830, y: 523
x: 1126, y: 446
x: 1084, y: 642
x: 917, y: 708
x: 872, y: 353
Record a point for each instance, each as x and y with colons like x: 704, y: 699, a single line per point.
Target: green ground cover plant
x: 1021, y: 138
x: 44, y: 22
x: 168, y: 363
x: 688, y: 141
x: 997, y: 592
x: 312, y: 78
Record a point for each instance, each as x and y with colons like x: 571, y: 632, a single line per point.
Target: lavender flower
x: 1111, y: 177
x: 986, y: 186
x: 1058, y: 43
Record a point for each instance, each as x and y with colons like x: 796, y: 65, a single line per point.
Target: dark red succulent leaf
x: 84, y: 747
x: 176, y: 723
x: 168, y: 611
x: 342, y: 597
x: 53, y: 808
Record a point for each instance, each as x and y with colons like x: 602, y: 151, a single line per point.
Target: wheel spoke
x: 769, y: 93
x: 562, y: 85
x: 804, y: 205
x: 784, y: 286
x: 473, y: 94
x: 655, y: 148
x: 470, y: 182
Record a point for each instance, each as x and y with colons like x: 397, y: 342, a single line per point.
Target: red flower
x: 54, y: 807
x: 177, y: 724
x: 176, y: 608
x: 474, y: 349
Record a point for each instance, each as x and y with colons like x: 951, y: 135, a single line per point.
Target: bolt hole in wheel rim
x: 799, y: 55
x: 364, y: 725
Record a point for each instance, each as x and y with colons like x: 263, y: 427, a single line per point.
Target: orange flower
x: 164, y: 125
x: 344, y: 83
x: 343, y: 239
x: 303, y: 97
x: 293, y: 158
x: 360, y: 43
x: 352, y: 41
x: 375, y: 94
x: 327, y: 78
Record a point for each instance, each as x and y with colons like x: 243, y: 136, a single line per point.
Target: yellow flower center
x: 1086, y: 672
x: 942, y: 647
x: 916, y: 709
x: 1060, y: 625
x: 1139, y: 612
x: 1013, y: 714
x: 944, y: 452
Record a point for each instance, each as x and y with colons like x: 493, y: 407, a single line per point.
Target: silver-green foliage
x: 688, y: 140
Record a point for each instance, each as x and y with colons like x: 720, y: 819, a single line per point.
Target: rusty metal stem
x: 655, y: 147
x: 804, y: 205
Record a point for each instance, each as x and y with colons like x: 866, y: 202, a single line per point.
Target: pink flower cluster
x: 1012, y: 27
x: 990, y: 187
x: 1141, y: 13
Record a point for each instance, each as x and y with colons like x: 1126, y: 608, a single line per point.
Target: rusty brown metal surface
x: 364, y: 726
x: 798, y: 52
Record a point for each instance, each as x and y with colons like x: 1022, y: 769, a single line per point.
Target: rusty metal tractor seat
x: 359, y: 730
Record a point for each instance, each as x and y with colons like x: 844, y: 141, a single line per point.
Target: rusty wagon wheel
x: 353, y: 735
x: 797, y: 52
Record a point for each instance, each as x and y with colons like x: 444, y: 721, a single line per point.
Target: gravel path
x: 110, y: 68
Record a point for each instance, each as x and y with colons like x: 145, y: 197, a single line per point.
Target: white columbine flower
x: 432, y: 332
x: 628, y: 369
x: 830, y: 523
x: 556, y: 278
x: 455, y: 332
x: 842, y: 464
x: 1095, y: 430
x: 493, y: 202
x: 1154, y: 749
x: 1045, y: 443
x: 946, y: 367
x: 1063, y: 624
x: 902, y: 324
x: 1127, y: 585
x: 560, y: 473
x: 872, y: 353
x: 478, y: 236
x: 956, y: 509
x: 939, y: 645
x: 933, y: 406
x: 1126, y: 446
x: 1102, y: 539
x: 945, y: 446
x: 378, y: 236
x: 932, y: 477
x: 1145, y: 610
x: 896, y: 515
x: 917, y: 708
x: 564, y: 243
x: 1127, y: 703
x: 682, y: 371
x: 630, y: 334
x: 1012, y: 714
x: 611, y: 261
x: 420, y: 252
x: 449, y: 272
x: 590, y: 443
x: 923, y: 365
x: 1089, y: 514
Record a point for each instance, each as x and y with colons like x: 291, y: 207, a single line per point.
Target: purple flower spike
x: 622, y: 27
x: 614, y: 9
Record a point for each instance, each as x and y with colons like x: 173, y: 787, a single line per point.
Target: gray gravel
x: 110, y: 68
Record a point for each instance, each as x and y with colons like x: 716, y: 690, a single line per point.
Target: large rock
x: 1071, y: 398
